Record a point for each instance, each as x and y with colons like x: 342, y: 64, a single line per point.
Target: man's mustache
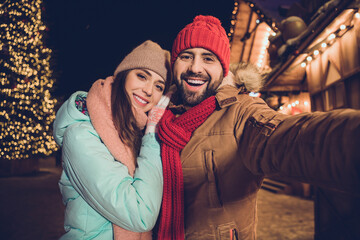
x: 187, y: 75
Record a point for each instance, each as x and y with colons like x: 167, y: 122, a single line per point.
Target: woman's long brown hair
x: 123, y: 116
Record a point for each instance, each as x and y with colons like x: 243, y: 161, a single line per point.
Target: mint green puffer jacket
x: 97, y: 190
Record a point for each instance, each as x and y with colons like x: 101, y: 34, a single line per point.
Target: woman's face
x: 145, y: 88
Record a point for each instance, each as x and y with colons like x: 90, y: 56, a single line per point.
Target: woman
x: 101, y: 135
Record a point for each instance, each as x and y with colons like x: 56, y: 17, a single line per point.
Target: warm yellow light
x: 27, y: 78
x: 332, y: 36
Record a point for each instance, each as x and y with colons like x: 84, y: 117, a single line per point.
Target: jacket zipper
x: 233, y: 234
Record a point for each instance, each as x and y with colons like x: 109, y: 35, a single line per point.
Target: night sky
x: 89, y: 38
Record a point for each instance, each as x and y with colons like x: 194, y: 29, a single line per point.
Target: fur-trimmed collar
x: 244, y: 75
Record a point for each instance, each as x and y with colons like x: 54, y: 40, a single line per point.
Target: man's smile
x: 194, y: 83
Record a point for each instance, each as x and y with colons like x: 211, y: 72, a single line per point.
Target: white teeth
x: 140, y: 100
x: 199, y: 82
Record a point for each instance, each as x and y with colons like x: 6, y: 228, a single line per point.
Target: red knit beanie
x: 204, y: 32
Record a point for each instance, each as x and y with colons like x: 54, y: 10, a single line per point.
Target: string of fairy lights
x: 261, y: 60
x: 270, y: 29
x: 309, y: 55
x: 330, y: 40
x: 233, y: 20
x: 261, y: 17
x: 26, y: 105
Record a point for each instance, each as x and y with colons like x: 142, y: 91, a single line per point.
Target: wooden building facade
x: 311, y: 62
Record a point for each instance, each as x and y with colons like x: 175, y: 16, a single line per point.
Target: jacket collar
x: 227, y: 95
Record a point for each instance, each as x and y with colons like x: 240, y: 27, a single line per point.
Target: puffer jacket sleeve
x: 132, y: 203
x: 321, y: 148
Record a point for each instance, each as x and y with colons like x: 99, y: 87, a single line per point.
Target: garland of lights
x: 233, y: 20
x: 26, y: 105
x: 261, y: 17
x: 312, y: 53
x: 328, y: 41
x: 270, y: 30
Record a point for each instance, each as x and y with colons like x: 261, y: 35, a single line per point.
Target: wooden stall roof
x: 248, y: 33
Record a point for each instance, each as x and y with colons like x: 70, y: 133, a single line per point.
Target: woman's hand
x: 156, y: 113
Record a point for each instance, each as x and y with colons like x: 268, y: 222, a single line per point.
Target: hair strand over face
x: 123, y: 116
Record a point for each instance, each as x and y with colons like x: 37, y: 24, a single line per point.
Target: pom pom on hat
x: 209, y: 19
x: 204, y: 32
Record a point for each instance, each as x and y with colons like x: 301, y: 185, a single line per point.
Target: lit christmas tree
x: 26, y: 105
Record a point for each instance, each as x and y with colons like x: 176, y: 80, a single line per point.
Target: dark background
x: 89, y: 38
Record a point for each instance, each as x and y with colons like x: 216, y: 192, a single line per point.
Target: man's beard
x: 190, y: 98
x: 194, y: 98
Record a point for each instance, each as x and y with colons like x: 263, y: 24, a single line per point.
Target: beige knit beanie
x: 147, y: 55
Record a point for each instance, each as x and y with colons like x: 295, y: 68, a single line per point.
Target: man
x: 218, y: 143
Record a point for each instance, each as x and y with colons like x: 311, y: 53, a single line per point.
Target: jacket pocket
x: 225, y: 231
x: 210, y: 170
x: 266, y: 122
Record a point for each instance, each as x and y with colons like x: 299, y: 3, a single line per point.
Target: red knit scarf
x: 175, y: 133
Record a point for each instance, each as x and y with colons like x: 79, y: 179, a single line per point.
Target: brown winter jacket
x: 228, y: 156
